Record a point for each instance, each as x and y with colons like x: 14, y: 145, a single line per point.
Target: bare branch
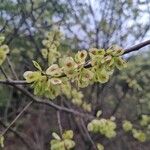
x: 3, y: 72
x: 136, y: 47
x: 47, y: 102
x: 59, y: 122
x: 17, y: 135
x: 88, y: 135
x: 13, y: 82
x: 16, y: 118
x: 11, y: 68
x: 127, y: 50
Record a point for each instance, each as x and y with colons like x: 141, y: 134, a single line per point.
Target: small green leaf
x: 81, y: 56
x: 139, y: 135
x: 2, y: 57
x: 69, y: 144
x: 54, y: 70
x: 55, y: 81
x: 2, y: 38
x: 1, y: 141
x: 120, y: 63
x: 31, y: 76
x: 44, y: 53
x: 68, y: 134
x: 4, y: 48
x: 56, y: 136
x: 127, y: 126
x: 98, y: 114
x: 36, y: 65
x: 100, y: 146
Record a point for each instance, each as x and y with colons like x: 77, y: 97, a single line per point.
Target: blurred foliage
x: 137, y: 77
x: 3, y: 96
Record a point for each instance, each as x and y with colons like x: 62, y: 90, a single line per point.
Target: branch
x: 11, y: 68
x: 59, y: 122
x: 51, y: 104
x: 87, y: 65
x: 8, y: 82
x: 88, y: 135
x: 57, y: 107
x: 16, y: 118
x: 17, y: 135
x: 136, y: 47
x: 127, y: 50
x: 3, y: 72
x: 46, y: 102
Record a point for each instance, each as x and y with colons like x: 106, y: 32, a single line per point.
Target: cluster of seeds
x: 137, y: 134
x: 4, y: 50
x: 63, y: 143
x: 103, y: 126
x: 51, y: 43
x: 65, y: 71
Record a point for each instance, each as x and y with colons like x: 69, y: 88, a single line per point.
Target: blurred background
x: 84, y: 24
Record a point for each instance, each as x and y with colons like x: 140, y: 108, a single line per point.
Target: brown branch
x: 13, y: 82
x: 127, y: 50
x: 55, y: 106
x: 87, y: 65
x: 17, y: 135
x: 118, y: 103
x: 16, y: 118
x: 46, y: 102
x: 88, y: 135
x: 3, y: 72
x: 136, y: 47
x: 59, y: 122
x: 11, y: 68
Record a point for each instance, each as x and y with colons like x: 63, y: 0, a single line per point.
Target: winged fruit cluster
x: 65, y: 71
x: 127, y: 126
x: 137, y: 134
x: 103, y: 126
x: 4, y: 50
x: 64, y: 143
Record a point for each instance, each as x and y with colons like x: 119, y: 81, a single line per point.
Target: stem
x: 17, y: 117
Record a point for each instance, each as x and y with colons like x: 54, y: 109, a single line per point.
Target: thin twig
x: 59, y: 122
x: 3, y: 72
x: 13, y: 82
x: 136, y: 47
x: 87, y: 65
x: 16, y: 118
x: 127, y: 50
x: 17, y: 135
x: 118, y: 104
x: 48, y: 103
x: 11, y: 68
x: 88, y: 135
